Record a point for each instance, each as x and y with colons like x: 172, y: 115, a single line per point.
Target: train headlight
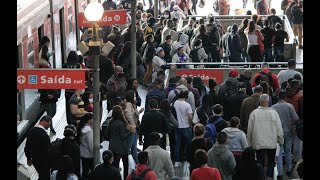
x: 94, y: 11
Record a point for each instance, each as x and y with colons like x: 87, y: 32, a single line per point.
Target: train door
x: 62, y: 36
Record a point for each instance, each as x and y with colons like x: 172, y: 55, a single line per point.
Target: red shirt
x: 151, y: 175
x: 205, y: 173
x: 274, y: 77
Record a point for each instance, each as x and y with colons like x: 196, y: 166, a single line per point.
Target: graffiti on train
x: 50, y: 79
x: 204, y: 74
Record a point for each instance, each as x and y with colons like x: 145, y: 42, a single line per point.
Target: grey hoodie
x: 237, y: 140
x: 220, y: 157
x: 189, y: 100
x: 86, y: 142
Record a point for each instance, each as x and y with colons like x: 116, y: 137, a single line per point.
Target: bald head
x: 183, y: 81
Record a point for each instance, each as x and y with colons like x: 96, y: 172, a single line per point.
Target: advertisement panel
x: 51, y: 79
x: 109, y: 17
x: 204, y: 74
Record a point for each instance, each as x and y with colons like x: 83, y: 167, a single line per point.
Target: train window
x: 70, y: 19
x: 30, y: 54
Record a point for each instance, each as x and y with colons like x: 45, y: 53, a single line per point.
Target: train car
x: 55, y: 19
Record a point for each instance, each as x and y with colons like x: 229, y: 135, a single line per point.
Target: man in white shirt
x: 183, y: 133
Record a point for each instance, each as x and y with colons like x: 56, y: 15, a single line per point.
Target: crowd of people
x: 223, y: 131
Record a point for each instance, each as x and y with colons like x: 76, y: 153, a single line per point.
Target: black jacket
x: 71, y: 148
x: 166, y: 48
x: 106, y: 69
x: 105, y: 171
x: 153, y: 120
x: 37, y: 145
x: 44, y: 95
x: 233, y: 106
x: 220, y: 125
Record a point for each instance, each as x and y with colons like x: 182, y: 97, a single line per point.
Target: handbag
x: 260, y: 43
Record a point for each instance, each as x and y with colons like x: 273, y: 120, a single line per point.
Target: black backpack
x: 232, y: 89
x: 194, y: 55
x: 269, y: 75
x: 55, y: 151
x: 141, y: 176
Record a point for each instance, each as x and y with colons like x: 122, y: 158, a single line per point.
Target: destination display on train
x: 51, y: 79
x: 109, y: 17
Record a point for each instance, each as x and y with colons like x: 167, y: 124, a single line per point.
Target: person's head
x: 247, y: 73
x: 198, y: 129
x: 118, y: 72
x: 149, y: 38
x: 45, y: 121
x: 264, y: 100
x: 212, y: 84
x: 167, y: 14
x: 278, y: 26
x: 249, y: 153
x: 222, y: 138
x: 217, y: 110
x: 143, y: 157
x: 211, y: 19
x: 152, y: 21
x: 45, y: 41
x: 165, y: 105
x: 158, y: 82
x: 266, y: 23
x: 73, y: 57
x: 107, y: 157
x: 258, y: 90
x: 191, y: 22
x: 117, y: 114
x: 160, y: 52
x: 189, y: 80
x: 70, y: 131
x: 282, y: 95
x: 292, y: 64
x: 180, y: 50
x: 175, y: 8
x: 294, y: 84
x: 242, y: 86
x: 265, y: 87
x: 249, y: 12
x: 202, y: 29
x: 183, y: 81
x: 153, y: 104
x: 244, y: 23
x: 233, y: 73
x: 173, y: 81
x: 265, y: 65
x: 284, y: 85
x: 132, y: 83
x: 197, y: 43
x: 183, y: 94
x: 207, y: 100
x: 273, y: 11
x: 200, y: 157
x: 297, y: 77
x: 169, y: 23
x: 169, y: 39
x: 299, y: 169
x: 65, y: 167
x: 255, y: 18
x: 172, y: 3
x: 87, y: 118
x: 155, y: 138
x: 235, y: 122
x: 251, y: 26
x: 131, y: 96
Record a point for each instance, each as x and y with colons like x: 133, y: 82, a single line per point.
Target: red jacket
x: 151, y: 175
x: 274, y: 77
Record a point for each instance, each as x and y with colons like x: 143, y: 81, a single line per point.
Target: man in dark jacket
x: 234, y: 48
x: 105, y: 170
x: 248, y: 105
x: 166, y: 46
x: 155, y: 93
x: 233, y: 106
x: 36, y: 149
x: 72, y: 63
x: 247, y: 73
x: 297, y: 21
x: 115, y: 36
x: 152, y: 121
x: 229, y: 87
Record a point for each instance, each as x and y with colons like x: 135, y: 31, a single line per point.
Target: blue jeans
x: 268, y: 55
x: 297, y: 148
x: 261, y: 153
x: 182, y: 135
x: 286, y: 147
x: 134, y: 139
x: 278, y: 53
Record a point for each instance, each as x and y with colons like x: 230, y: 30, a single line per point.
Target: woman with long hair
x: 197, y: 83
x: 203, y: 112
x: 118, y: 133
x: 65, y: 170
x: 253, y: 46
x: 244, y: 40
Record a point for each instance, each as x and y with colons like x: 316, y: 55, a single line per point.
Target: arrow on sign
x: 116, y: 17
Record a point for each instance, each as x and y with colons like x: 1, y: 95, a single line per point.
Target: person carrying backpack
x: 198, y: 54
x: 142, y: 171
x: 215, y: 123
x: 273, y: 80
x: 229, y: 87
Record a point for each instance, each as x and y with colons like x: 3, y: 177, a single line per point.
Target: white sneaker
x: 177, y: 164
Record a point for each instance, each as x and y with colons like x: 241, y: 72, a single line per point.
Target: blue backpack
x: 210, y: 130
